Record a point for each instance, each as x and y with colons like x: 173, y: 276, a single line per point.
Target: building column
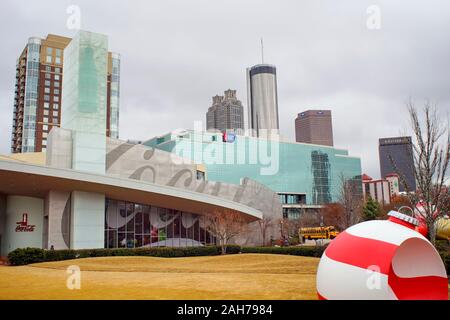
x: 57, y: 220
x: 87, y: 227
x: 2, y: 225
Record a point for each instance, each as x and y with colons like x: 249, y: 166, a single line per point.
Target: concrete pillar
x: 57, y: 214
x: 87, y: 220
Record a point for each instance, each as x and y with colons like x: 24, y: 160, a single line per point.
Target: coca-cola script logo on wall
x: 23, y: 226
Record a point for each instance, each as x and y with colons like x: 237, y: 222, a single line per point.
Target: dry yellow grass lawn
x: 244, y: 276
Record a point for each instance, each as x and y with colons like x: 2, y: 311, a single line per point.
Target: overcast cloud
x: 177, y: 54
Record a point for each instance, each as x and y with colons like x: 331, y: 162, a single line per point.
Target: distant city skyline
x: 325, y: 56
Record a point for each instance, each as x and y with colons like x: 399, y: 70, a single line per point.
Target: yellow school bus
x: 318, y: 233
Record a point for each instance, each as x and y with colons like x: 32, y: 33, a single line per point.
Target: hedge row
x: 34, y: 255
x: 305, y: 251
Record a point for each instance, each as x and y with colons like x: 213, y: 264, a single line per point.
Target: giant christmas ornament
x: 382, y: 260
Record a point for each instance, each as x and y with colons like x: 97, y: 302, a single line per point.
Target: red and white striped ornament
x: 385, y: 260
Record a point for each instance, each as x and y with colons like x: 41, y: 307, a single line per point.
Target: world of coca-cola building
x: 146, y: 197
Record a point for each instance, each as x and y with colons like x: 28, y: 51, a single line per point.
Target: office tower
x: 226, y: 113
x: 314, y: 126
x: 396, y: 156
x: 262, y: 100
x: 38, y: 92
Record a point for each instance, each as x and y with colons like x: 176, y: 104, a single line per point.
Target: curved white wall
x: 16, y: 206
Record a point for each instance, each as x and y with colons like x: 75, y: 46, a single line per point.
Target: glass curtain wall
x: 132, y: 225
x: 31, y: 95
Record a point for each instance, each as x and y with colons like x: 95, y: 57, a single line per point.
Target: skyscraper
x: 396, y: 156
x: 38, y: 92
x: 262, y: 99
x: 226, y: 113
x: 315, y: 127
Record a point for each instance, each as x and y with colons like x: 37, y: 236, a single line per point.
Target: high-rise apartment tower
x: 38, y: 93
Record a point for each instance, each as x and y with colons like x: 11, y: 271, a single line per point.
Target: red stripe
x: 419, y: 288
x: 361, y: 252
x: 401, y: 222
x: 321, y: 297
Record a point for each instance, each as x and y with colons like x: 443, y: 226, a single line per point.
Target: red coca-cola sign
x: 23, y: 226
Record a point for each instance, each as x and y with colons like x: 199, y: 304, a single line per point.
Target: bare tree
x: 225, y: 225
x: 431, y: 155
x: 264, y: 224
x: 351, y: 200
x: 333, y: 215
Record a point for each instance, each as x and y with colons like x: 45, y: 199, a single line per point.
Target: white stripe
x: 386, y: 231
x: 417, y: 258
x: 340, y: 281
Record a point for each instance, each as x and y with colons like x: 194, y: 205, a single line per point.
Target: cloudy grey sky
x: 177, y: 54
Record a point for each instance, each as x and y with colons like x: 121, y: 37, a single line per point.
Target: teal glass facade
x: 305, y: 173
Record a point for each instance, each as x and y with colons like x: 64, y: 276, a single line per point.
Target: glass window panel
x: 138, y: 241
x: 197, y: 231
x: 162, y: 234
x: 146, y: 240
x: 122, y: 214
x: 130, y: 240
x: 112, y: 239
x: 147, y: 226
x: 138, y: 224
x: 122, y: 240
x: 176, y: 226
